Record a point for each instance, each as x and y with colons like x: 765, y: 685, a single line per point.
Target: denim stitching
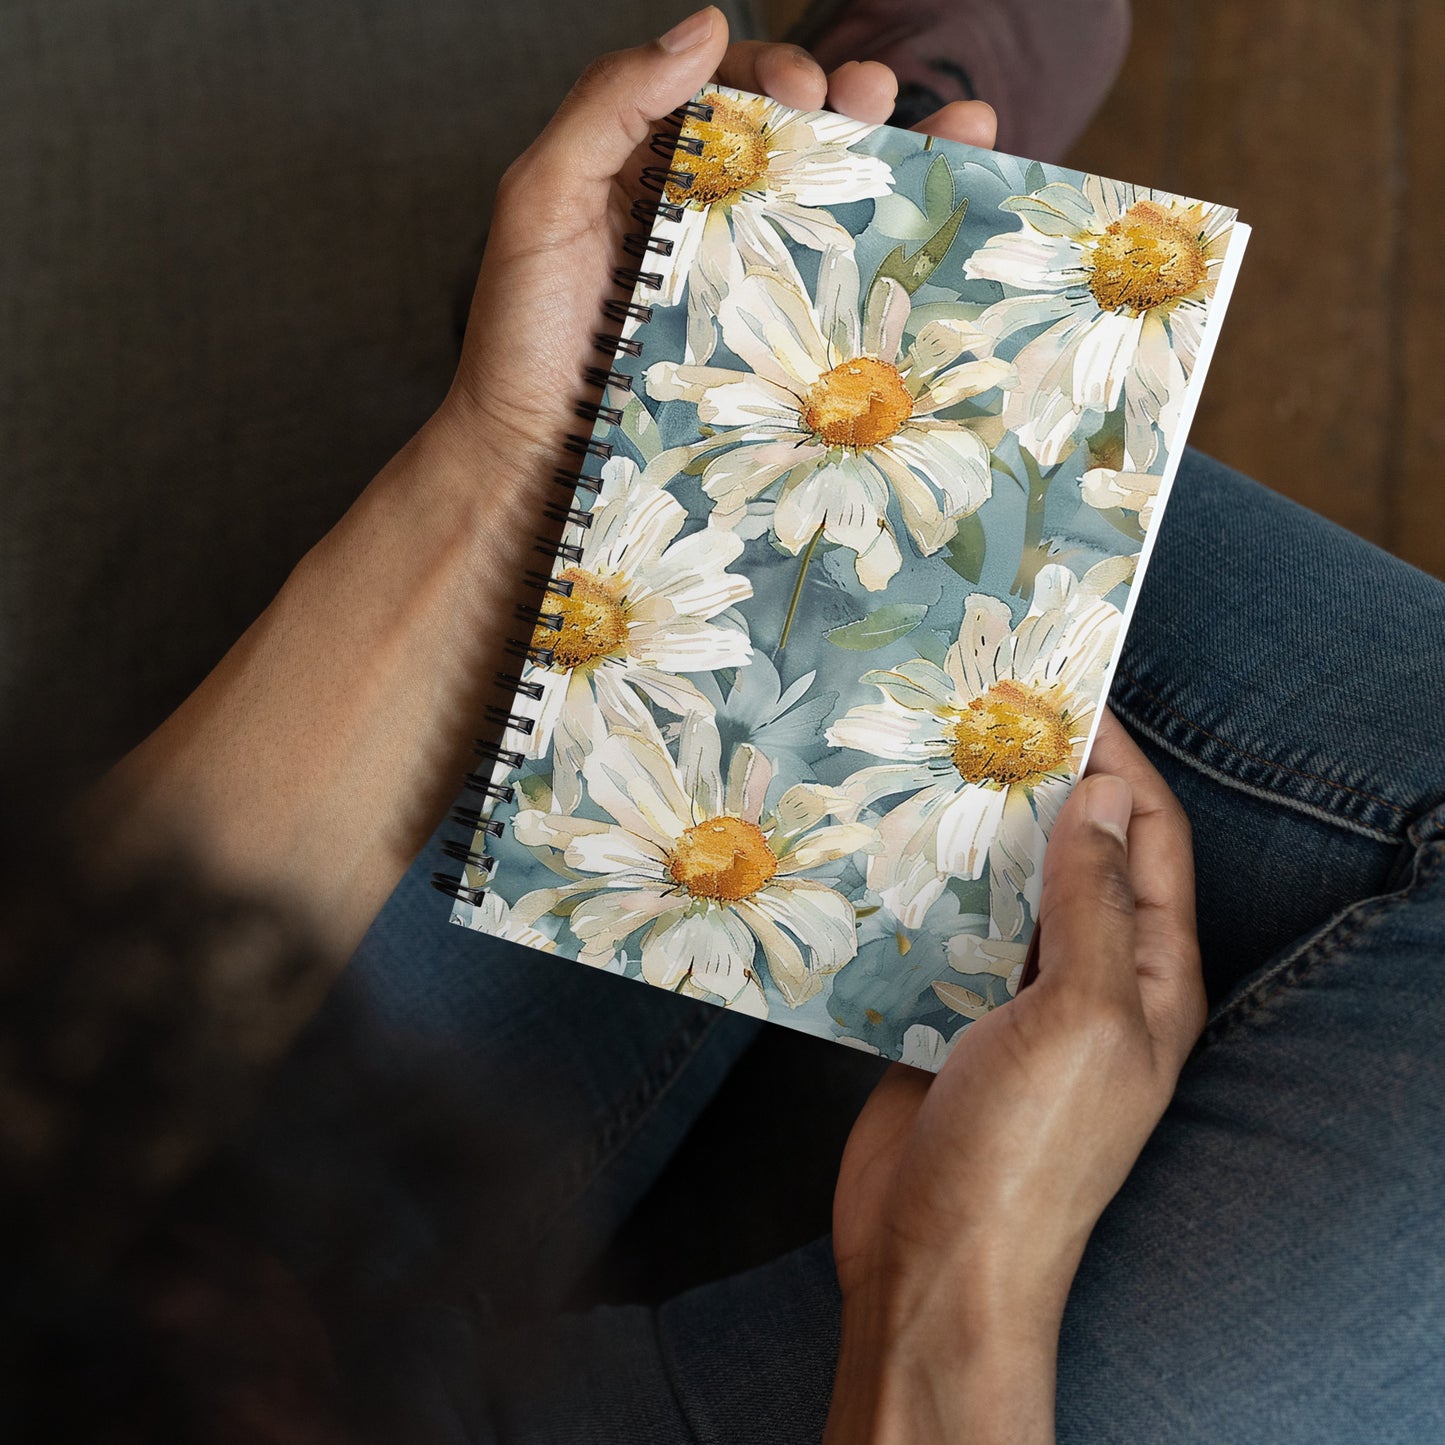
x: 1252, y: 790
x: 627, y: 1116
x: 672, y: 1373
x: 1255, y: 757
x: 1230, y: 747
x: 1332, y: 939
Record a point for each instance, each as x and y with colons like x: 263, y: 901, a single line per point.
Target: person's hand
x: 349, y: 706
x: 964, y: 1202
x: 564, y: 206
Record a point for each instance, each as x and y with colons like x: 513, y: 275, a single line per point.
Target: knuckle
x: 1101, y: 890
x: 1111, y: 1027
x: 1179, y: 824
x: 1112, y: 891
x: 518, y: 178
x: 603, y: 73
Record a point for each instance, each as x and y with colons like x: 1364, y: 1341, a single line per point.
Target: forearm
x: 315, y: 759
x: 966, y: 1376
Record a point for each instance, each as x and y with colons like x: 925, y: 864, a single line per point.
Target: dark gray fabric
x: 236, y: 238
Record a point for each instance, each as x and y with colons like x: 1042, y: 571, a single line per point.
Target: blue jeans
x: 1274, y: 1268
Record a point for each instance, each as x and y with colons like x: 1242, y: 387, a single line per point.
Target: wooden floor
x: 1323, y: 121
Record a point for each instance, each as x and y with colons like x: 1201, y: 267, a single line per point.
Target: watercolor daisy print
x: 843, y: 417
x: 984, y: 747
x: 762, y: 176
x: 822, y: 661
x: 1121, y: 278
x: 721, y: 884
x: 636, y: 620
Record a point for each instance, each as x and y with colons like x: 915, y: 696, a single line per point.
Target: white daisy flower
x: 837, y: 411
x: 1107, y: 487
x: 987, y: 746
x: 1002, y: 957
x: 923, y: 1046
x: 968, y: 953
x: 764, y: 169
x: 492, y: 915
x: 699, y: 861
x: 636, y: 618
x: 1121, y: 277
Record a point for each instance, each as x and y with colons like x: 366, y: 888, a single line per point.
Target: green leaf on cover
x: 931, y: 646
x: 912, y: 271
x: 641, y: 430
x: 881, y: 626
x: 987, y: 161
x: 1106, y: 446
x: 1122, y: 521
x: 938, y: 190
x: 1034, y: 177
x: 966, y: 550
x: 895, y: 215
x: 566, y: 907
x: 536, y: 790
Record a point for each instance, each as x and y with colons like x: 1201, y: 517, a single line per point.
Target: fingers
x: 615, y: 103
x: 863, y: 90
x: 1161, y: 858
x: 1086, y: 912
x: 1161, y: 870
x: 971, y: 121
x: 787, y: 73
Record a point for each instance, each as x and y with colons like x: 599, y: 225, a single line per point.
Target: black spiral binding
x: 663, y: 181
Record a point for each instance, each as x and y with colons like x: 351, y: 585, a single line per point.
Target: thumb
x: 613, y: 106
x: 1086, y: 911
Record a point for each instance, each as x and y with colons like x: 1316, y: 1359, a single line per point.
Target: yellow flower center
x: 1009, y: 735
x: 724, y: 858
x: 858, y: 403
x: 1150, y: 255
x: 594, y: 622
x: 734, y: 152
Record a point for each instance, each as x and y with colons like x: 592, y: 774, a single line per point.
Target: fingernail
x: 1108, y: 803
x: 687, y: 33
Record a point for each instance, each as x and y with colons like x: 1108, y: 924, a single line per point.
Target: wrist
x: 957, y: 1351
x: 972, y: 1372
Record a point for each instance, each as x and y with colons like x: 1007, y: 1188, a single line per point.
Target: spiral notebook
x: 879, y: 454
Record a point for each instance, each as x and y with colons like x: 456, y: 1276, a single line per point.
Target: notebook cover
x: 903, y: 425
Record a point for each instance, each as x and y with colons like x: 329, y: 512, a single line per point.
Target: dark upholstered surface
x: 235, y: 236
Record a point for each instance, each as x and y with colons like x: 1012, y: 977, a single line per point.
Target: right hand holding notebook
x: 965, y: 1201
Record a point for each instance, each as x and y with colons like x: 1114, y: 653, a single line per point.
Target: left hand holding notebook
x: 317, y: 758
x: 564, y: 207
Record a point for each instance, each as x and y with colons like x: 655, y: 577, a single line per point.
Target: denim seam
x: 672, y: 1372
x: 1265, y: 795
x: 1332, y: 938
x: 1266, y: 762
x: 625, y: 1117
x: 1254, y: 790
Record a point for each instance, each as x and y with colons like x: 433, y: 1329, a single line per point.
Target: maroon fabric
x: 1044, y: 65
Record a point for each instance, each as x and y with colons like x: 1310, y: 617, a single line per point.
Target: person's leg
x: 1273, y: 1268
x: 568, y: 1090
x: 1287, y: 679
